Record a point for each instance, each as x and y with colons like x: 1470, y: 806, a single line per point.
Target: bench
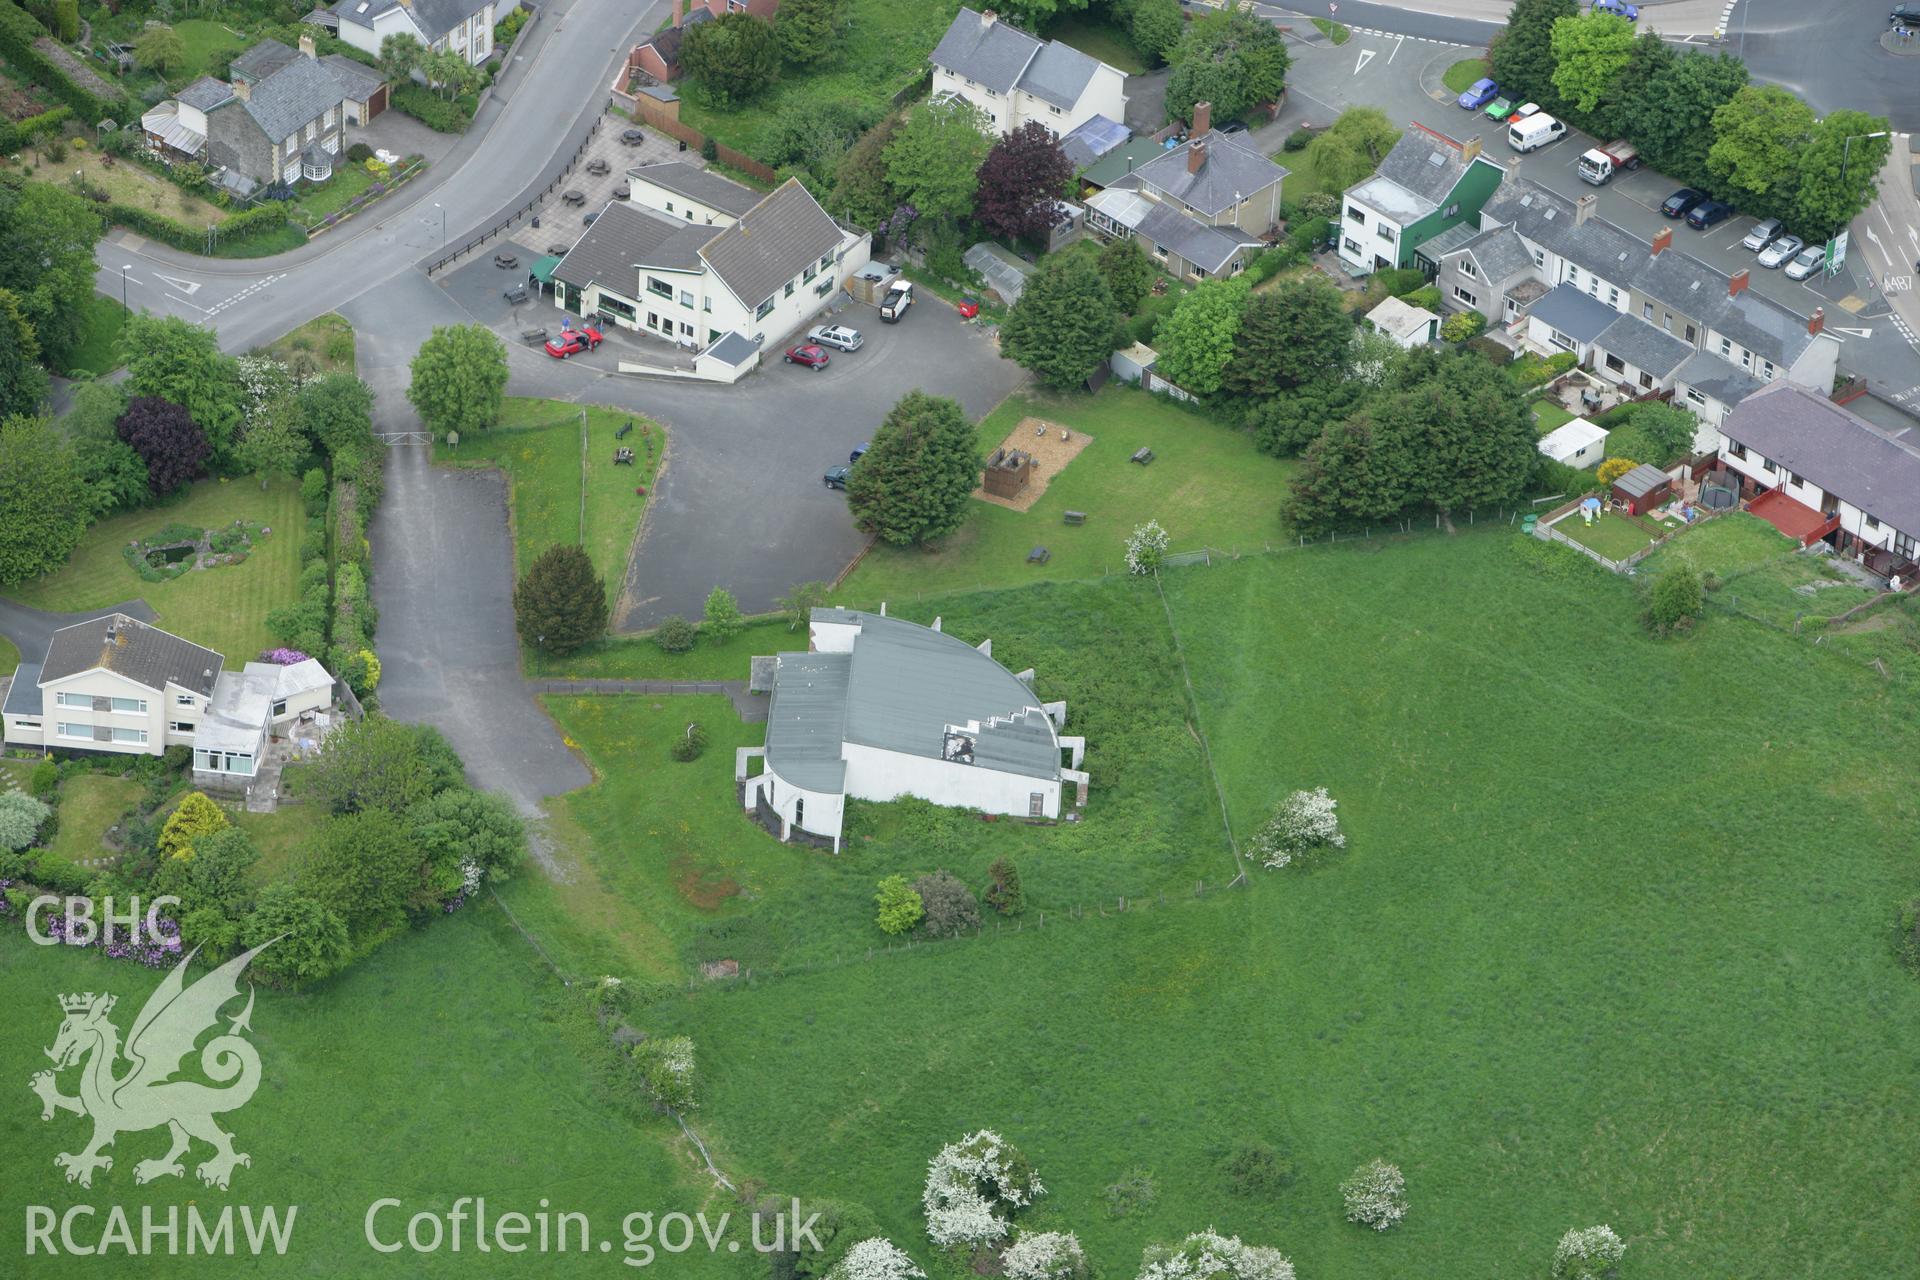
x: 1142, y: 456
x: 516, y: 295
x: 1039, y: 555
x: 531, y: 336
x: 625, y: 431
x: 1075, y: 517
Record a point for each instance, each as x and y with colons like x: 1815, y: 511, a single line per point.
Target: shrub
x: 20, y: 819
x: 1004, y: 894
x: 1592, y: 1253
x: 1428, y: 296
x: 560, y: 603
x: 948, y: 906
x: 875, y: 1258
x: 313, y: 491
x: 1463, y: 326
x: 44, y: 780
x: 1147, y: 548
x: 1299, y: 138
x: 722, y: 615
x: 1134, y: 1193
x: 1399, y: 280
x: 1676, y: 600
x: 1906, y: 936
x: 1376, y: 1195
x: 1255, y: 1169
x: 1532, y: 370
x: 1045, y: 1255
x: 196, y: 817
x: 667, y: 1068
x: 675, y: 634
x: 1613, y: 468
x: 430, y: 109
x: 690, y: 744
x: 973, y: 1186
x: 1207, y: 1255
x: 1303, y: 823
x: 1319, y: 204
x: 898, y: 906
x: 359, y: 153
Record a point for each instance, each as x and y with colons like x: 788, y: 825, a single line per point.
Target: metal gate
x: 404, y: 437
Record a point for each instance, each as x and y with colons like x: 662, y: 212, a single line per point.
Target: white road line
x: 1366, y: 56
x: 1396, y: 49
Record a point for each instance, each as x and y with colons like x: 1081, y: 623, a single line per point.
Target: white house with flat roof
x: 878, y: 708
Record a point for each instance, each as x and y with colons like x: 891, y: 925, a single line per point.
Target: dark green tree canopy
x: 1231, y: 58
x: 734, y: 58
x: 1129, y: 273
x: 913, y: 484
x: 460, y: 377
x: 182, y: 363
x: 1522, y: 55
x: 1289, y: 335
x: 44, y: 504
x: 560, y: 603
x: 1065, y: 323
x: 47, y: 236
x: 808, y: 30
x: 1674, y: 122
x: 23, y: 383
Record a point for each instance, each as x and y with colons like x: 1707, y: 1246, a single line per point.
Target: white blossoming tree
x: 667, y: 1066
x: 973, y: 1187
x: 1045, y: 1255
x: 1376, y: 1195
x: 1207, y: 1255
x: 876, y: 1259
x: 1590, y: 1253
x: 1303, y: 824
x: 1147, y: 548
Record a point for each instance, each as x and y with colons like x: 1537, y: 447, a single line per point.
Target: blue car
x: 1479, y: 94
x: 1619, y: 8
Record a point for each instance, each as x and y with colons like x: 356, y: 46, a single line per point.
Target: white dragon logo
x: 147, y: 1096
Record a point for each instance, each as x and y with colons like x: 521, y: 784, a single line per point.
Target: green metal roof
x: 1121, y: 161
x: 543, y: 269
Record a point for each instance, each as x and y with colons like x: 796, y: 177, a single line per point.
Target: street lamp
x: 443, y: 223
x: 1847, y: 147
x: 123, y: 288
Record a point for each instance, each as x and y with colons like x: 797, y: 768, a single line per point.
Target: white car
x: 835, y: 335
x: 1809, y: 261
x: 1781, y: 250
x: 1524, y: 110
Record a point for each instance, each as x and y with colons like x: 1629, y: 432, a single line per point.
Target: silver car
x: 1763, y: 234
x: 1808, y: 262
x: 835, y: 335
x: 1781, y: 250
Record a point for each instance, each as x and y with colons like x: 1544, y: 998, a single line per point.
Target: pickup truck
x: 1601, y: 163
x: 899, y: 298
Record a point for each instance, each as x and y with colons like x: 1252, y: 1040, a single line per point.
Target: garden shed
x: 1577, y: 443
x: 1643, y: 488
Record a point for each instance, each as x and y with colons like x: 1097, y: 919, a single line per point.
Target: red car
x: 808, y: 354
x: 969, y: 308
x: 573, y: 342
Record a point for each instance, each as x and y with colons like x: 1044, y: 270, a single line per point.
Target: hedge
x: 430, y: 109
x: 262, y: 217
x: 15, y: 134
x: 18, y: 32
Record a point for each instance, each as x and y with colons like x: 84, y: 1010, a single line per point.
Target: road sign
x: 1332, y: 7
x: 1837, y: 252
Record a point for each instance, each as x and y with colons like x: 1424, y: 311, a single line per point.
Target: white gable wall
x: 876, y: 774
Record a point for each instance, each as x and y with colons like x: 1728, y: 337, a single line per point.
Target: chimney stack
x: 988, y: 17
x: 1741, y: 279
x: 1470, y: 150
x: 1583, y: 209
x: 1202, y: 117
x: 1817, y: 322
x: 241, y: 89
x: 1662, y: 240
x: 1196, y: 155
x: 307, y: 49
x: 679, y: 12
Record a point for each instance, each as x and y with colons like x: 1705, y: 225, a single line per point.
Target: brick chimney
x: 988, y: 17
x: 241, y: 89
x: 1817, y: 322
x: 1470, y: 150
x: 1202, y: 117
x: 307, y: 49
x: 1583, y: 209
x: 1196, y: 155
x: 679, y: 12
x: 1662, y: 241
x: 1741, y: 279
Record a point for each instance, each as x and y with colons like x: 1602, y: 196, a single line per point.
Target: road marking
x: 262, y: 283
x: 184, y: 286
x: 1396, y: 49
x: 1858, y: 333
x: 1366, y: 56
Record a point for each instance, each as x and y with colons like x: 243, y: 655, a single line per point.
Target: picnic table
x: 633, y: 137
x: 505, y: 261
x: 623, y: 457
x: 516, y: 294
x: 558, y: 250
x: 598, y: 167
x: 574, y: 196
x: 625, y: 431
x: 1142, y: 456
x: 1076, y: 517
x: 533, y: 335
x: 1039, y: 555
x: 623, y: 191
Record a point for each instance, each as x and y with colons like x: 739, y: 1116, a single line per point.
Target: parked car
x: 1681, y: 202
x: 808, y: 354
x: 1781, y: 251
x: 899, y: 298
x: 1809, y: 260
x: 1764, y: 233
x: 1479, y: 94
x: 574, y: 341
x: 1708, y: 213
x: 968, y: 308
x: 1525, y: 109
x: 1620, y: 8
x: 836, y: 477
x: 858, y: 449
x: 1904, y: 15
x: 835, y: 335
x: 1500, y: 108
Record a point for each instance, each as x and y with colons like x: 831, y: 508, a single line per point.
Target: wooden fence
x: 665, y: 116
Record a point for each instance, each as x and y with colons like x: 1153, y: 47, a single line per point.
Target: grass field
x: 1578, y: 964
x: 100, y: 352
x: 1613, y: 535
x: 1207, y: 486
x: 434, y: 1055
x: 1463, y: 73
x: 538, y: 443
x: 883, y: 49
x: 9, y: 655
x: 128, y: 184
x: 1760, y: 572
x: 641, y: 659
x: 90, y: 803
x: 207, y: 43
x: 1098, y: 37
x: 223, y: 608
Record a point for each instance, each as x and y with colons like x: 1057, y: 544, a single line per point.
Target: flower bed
x: 175, y: 549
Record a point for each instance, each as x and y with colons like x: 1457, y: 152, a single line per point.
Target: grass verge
x: 1463, y: 73
x: 99, y: 352
x: 90, y: 803
x: 1337, y: 33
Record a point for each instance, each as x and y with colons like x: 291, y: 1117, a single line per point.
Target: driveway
x: 32, y: 629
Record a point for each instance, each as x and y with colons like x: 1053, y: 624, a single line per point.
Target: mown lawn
x: 1550, y: 414
x: 90, y: 803
x: 99, y: 353
x: 1207, y: 486
x: 1463, y: 73
x: 224, y: 608
x: 9, y: 656
x: 541, y: 446
x: 639, y: 658
x: 1577, y: 964
x: 428, y: 1072
x: 1097, y: 36
x: 331, y: 196
x: 207, y: 43
x: 1613, y: 535
x: 883, y: 49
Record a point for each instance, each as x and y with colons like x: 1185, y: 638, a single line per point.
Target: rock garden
x: 181, y: 548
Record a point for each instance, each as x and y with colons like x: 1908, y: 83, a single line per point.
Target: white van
x: 1534, y: 132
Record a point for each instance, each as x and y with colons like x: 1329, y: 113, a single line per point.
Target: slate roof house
x: 463, y: 26
x: 878, y: 708
x: 659, y: 54
x: 1198, y: 209
x: 1016, y: 78
x: 117, y: 685
x: 1427, y: 184
x: 1650, y: 317
x: 281, y: 118
x: 692, y: 257
x: 1826, y: 474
